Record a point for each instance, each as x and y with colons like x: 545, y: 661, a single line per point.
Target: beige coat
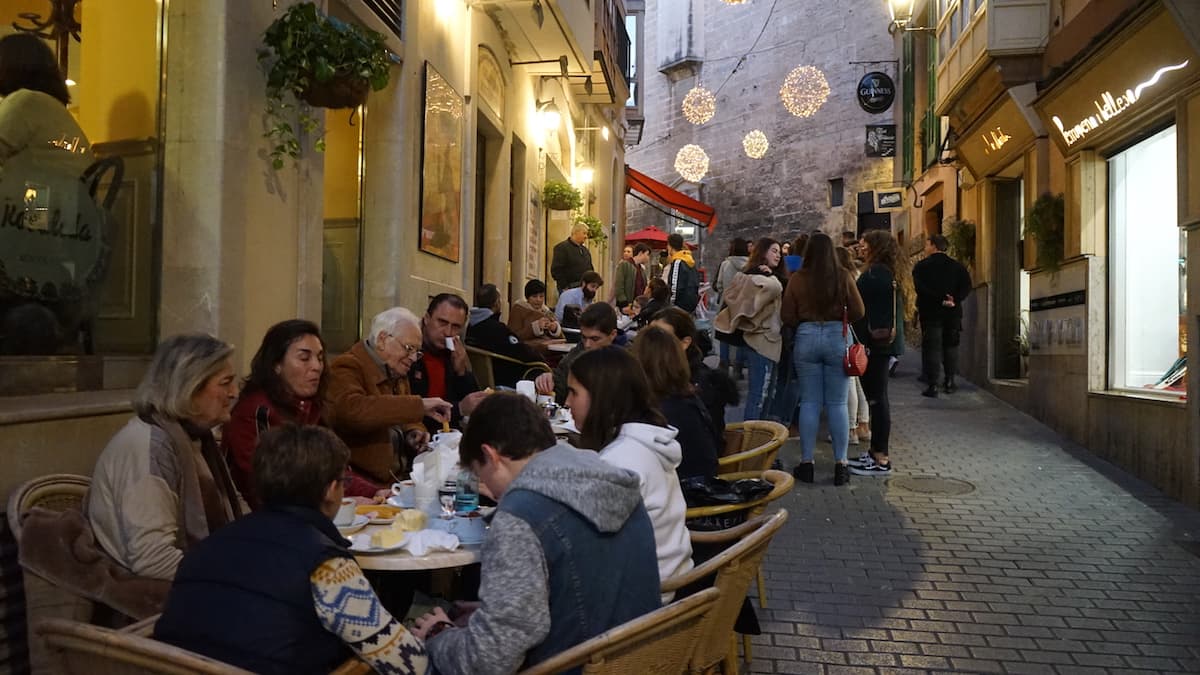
x: 752, y: 307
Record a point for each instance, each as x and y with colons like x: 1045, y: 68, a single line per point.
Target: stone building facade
x: 743, y: 53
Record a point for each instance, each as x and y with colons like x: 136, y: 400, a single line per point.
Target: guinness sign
x: 876, y: 92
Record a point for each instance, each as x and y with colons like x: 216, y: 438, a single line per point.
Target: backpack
x: 685, y: 286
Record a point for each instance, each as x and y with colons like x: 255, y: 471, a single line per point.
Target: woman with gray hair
x: 161, y: 485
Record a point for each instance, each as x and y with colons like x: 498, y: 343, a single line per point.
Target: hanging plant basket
x: 560, y: 196
x: 340, y: 91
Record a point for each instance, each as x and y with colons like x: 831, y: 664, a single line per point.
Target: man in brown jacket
x: 367, y: 400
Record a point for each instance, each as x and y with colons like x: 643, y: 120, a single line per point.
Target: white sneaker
x: 853, y: 438
x: 861, y: 460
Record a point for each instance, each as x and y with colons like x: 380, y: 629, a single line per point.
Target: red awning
x: 671, y: 198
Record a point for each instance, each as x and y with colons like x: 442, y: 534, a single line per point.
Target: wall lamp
x: 548, y: 115
x: 902, y: 15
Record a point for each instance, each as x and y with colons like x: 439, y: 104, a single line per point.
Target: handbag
x: 885, y: 336
x: 855, y: 360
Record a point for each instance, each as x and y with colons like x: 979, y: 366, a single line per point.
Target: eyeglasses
x: 411, y: 350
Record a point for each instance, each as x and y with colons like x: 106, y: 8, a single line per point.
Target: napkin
x: 426, y: 541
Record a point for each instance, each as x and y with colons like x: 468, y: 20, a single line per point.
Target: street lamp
x: 902, y: 11
x: 548, y: 115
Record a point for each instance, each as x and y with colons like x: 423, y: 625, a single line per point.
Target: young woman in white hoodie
x: 611, y: 404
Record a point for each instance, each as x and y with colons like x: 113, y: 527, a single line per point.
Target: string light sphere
x: 804, y: 91
x: 691, y: 162
x: 734, y: 2
x: 755, y: 144
x: 699, y: 105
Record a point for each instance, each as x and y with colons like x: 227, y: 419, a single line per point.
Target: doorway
x: 516, y: 198
x: 1010, y: 294
x: 488, y: 205
x: 341, y: 272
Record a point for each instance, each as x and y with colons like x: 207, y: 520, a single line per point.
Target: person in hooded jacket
x: 614, y: 410
x: 570, y: 553
x: 486, y: 331
x: 681, y: 275
x: 715, y: 387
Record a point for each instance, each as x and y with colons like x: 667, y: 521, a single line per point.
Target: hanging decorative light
x: 755, y: 144
x: 804, y: 91
x: 699, y: 105
x: 734, y: 2
x: 691, y: 162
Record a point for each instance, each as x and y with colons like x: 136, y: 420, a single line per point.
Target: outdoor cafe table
x: 403, y: 561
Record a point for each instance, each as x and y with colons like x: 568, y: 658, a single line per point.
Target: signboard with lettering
x: 1057, y: 317
x: 876, y: 92
x: 889, y: 200
x: 881, y: 140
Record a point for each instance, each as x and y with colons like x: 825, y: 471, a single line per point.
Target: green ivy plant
x: 595, y: 228
x: 304, y: 50
x: 560, y: 196
x: 1045, y: 223
x: 961, y: 236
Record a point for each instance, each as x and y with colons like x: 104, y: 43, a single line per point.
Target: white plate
x: 362, y: 544
x: 360, y: 521
x: 380, y: 520
x: 394, y: 500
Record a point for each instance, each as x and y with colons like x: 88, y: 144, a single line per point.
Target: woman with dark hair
x: 818, y: 296
x: 611, y: 403
x: 286, y: 382
x: 751, y: 313
x: 663, y: 359
x: 887, y: 292
x: 715, y: 388
x: 33, y: 113
x: 660, y: 299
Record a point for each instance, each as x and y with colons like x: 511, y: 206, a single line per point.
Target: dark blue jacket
x: 243, y: 595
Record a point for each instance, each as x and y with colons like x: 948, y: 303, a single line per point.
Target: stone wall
x: 786, y: 192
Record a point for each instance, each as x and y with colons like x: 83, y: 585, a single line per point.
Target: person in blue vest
x: 278, y: 591
x: 570, y: 553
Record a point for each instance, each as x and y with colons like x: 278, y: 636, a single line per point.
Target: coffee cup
x: 404, y: 493
x: 448, y: 438
x: 527, y: 389
x: 345, y: 513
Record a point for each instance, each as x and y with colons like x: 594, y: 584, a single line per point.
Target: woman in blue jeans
x: 820, y: 296
x: 752, y: 311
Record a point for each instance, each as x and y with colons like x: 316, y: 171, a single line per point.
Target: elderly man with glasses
x: 369, y: 404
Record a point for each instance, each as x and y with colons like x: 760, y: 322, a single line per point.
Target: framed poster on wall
x: 533, y: 235
x: 441, y: 168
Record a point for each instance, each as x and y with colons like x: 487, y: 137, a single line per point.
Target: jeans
x: 939, y: 349
x: 819, y: 351
x: 856, y: 402
x: 760, y: 376
x: 875, y: 384
x: 739, y: 355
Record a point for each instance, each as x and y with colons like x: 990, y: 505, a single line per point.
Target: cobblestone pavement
x: 1056, y: 562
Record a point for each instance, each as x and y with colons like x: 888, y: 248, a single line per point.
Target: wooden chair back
x: 734, y: 568
x: 83, y: 649
x: 485, y: 374
x: 661, y: 642
x: 57, y: 492
x: 751, y: 446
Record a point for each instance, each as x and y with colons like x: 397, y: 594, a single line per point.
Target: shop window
x: 79, y: 267
x: 1147, y: 256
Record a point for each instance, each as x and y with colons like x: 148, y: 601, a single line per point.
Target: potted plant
x: 322, y: 62
x: 961, y: 236
x: 1045, y: 222
x: 560, y: 196
x: 595, y: 228
x: 1021, y: 345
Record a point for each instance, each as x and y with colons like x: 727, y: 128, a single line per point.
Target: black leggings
x: 875, y: 386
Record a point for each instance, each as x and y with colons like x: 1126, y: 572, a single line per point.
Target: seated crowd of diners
x: 227, y: 487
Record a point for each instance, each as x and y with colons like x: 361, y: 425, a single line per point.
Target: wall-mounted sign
x: 1109, y: 106
x: 876, y: 92
x: 994, y: 140
x: 491, y: 81
x: 889, y: 200
x: 881, y: 140
x: 1058, y: 312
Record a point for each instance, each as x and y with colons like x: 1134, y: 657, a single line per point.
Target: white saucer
x: 362, y: 544
x: 394, y: 500
x: 360, y: 521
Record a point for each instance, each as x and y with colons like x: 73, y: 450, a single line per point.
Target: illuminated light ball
x: 755, y: 144
x: 804, y: 91
x: 734, y: 2
x: 699, y: 105
x: 691, y: 162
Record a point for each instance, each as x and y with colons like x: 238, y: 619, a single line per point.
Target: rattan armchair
x: 734, y: 568
x: 83, y: 649
x: 751, y: 446
x: 481, y: 364
x: 57, y: 492
x: 661, y: 642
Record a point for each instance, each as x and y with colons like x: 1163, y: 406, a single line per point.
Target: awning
x: 655, y: 193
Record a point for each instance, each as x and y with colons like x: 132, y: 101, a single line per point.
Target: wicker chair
x: 751, y: 446
x: 57, y: 492
x: 734, y: 568
x: 660, y: 642
x: 481, y: 364
x: 83, y: 649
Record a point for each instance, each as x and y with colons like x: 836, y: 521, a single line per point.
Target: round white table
x: 561, y: 347
x: 403, y: 561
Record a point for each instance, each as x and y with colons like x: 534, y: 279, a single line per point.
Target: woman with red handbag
x: 821, y: 299
x: 887, y: 292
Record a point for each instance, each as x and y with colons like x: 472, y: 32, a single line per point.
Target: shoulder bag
x: 855, y: 360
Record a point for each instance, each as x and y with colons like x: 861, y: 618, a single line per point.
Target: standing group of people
x: 789, y: 314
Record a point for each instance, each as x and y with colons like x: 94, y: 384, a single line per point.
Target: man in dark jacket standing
x: 571, y: 259
x: 486, y: 331
x: 681, y: 275
x: 570, y: 554
x: 942, y: 283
